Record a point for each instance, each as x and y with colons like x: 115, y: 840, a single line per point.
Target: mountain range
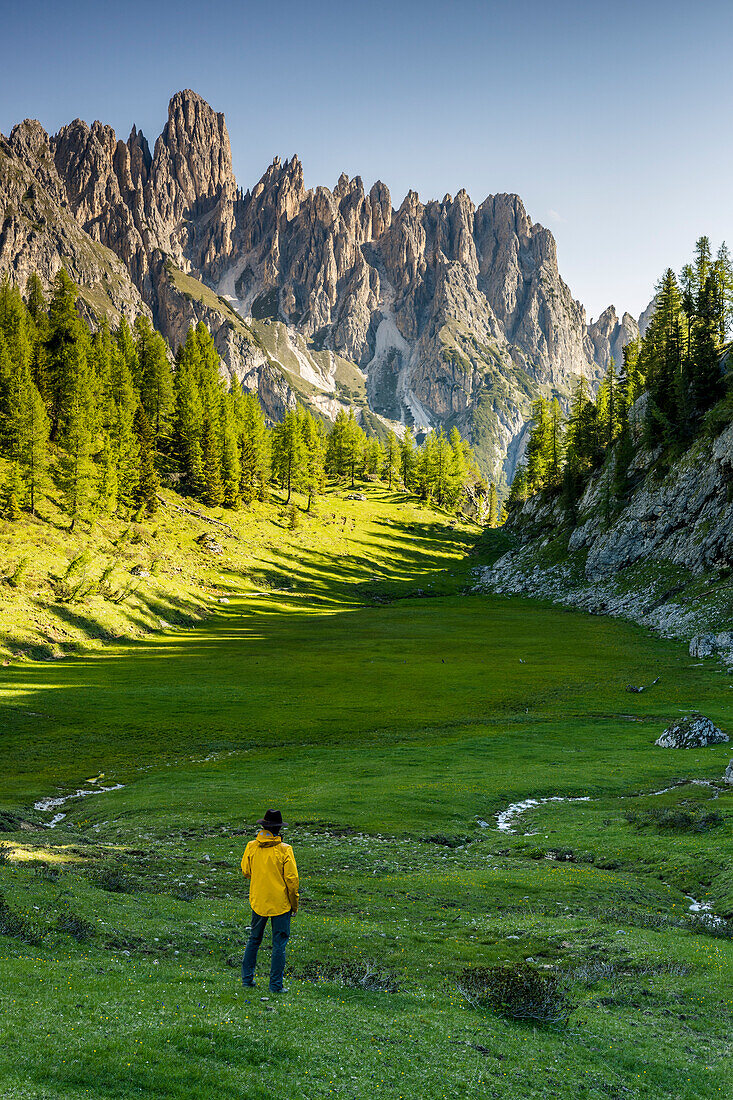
x: 432, y: 314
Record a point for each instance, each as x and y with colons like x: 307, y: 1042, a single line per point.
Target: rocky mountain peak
x: 454, y: 314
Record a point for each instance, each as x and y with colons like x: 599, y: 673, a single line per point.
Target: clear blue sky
x: 612, y: 120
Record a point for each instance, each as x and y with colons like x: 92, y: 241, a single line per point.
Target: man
x: 269, y: 864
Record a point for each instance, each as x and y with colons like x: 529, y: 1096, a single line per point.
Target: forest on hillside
x: 673, y: 385
x: 100, y: 420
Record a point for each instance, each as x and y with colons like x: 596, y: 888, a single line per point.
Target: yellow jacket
x: 269, y: 864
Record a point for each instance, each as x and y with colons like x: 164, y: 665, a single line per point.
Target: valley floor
x: 392, y: 718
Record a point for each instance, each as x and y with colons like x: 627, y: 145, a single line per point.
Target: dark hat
x: 272, y: 819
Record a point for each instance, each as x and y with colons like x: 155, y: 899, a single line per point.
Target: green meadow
x: 354, y: 681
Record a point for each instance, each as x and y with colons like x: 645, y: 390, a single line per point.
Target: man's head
x: 272, y: 821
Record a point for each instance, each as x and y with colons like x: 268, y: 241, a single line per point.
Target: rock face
x: 454, y: 314
x: 609, y: 336
x: 708, y: 645
x: 728, y: 777
x: 663, y: 560
x: 39, y: 234
x: 692, y: 732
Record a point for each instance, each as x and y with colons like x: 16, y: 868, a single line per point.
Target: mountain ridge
x: 450, y: 313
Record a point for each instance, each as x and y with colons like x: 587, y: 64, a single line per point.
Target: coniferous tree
x: 371, y: 457
x: 231, y: 470
x: 390, y: 459
x: 254, y: 446
x: 211, y: 459
x: 336, y: 464
x: 155, y: 381
x: 314, y: 457
x: 76, y: 433
x: 354, y: 441
x: 63, y: 341
x: 146, y: 492
x: 408, y: 459
x: 706, y: 381
x: 493, y: 516
x: 287, y: 452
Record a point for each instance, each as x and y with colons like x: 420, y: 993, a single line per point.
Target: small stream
x: 46, y: 805
x: 505, y: 819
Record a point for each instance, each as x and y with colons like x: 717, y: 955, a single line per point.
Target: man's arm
x: 292, y: 882
x: 247, y: 863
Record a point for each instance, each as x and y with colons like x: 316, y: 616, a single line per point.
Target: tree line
x: 101, y: 418
x: 677, y: 370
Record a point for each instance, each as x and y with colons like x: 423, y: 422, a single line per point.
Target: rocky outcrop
x: 694, y: 731
x: 456, y: 313
x: 38, y: 232
x: 663, y: 560
x: 609, y: 336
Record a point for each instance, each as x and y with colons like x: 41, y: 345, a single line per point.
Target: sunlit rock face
x: 455, y: 314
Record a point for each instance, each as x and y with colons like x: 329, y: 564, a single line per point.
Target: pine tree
x: 555, y: 445
x: 155, y: 379
x: 189, y: 415
x: 146, y: 492
x: 254, y: 446
x: 35, y: 298
x: 76, y: 437
x: 354, y: 442
x: 287, y: 452
x: 371, y: 457
x: 706, y: 382
x: 63, y: 346
x: 408, y: 459
x: 390, y: 459
x: 314, y: 458
x: 493, y: 517
x: 213, y: 493
x: 336, y: 446
x: 12, y: 491
x: 539, y: 447
x: 231, y: 471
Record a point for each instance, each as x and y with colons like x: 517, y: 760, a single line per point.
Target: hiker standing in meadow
x: 269, y: 864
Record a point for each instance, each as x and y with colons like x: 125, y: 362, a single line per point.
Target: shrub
x: 697, y: 821
x: 365, y: 974
x: 111, y: 878
x: 18, y: 925
x: 17, y: 575
x: 519, y: 992
x: 76, y: 926
x: 4, y: 854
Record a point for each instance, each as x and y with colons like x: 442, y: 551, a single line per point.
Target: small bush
x: 110, y: 878
x: 76, y: 926
x: 47, y: 872
x: 446, y: 841
x: 519, y: 992
x: 697, y: 821
x: 18, y: 925
x: 16, y: 577
x: 4, y: 854
x: 364, y: 974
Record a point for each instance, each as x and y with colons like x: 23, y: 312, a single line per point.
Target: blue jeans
x: 280, y: 937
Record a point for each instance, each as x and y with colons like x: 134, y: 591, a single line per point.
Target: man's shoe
x: 284, y: 990
x: 249, y: 985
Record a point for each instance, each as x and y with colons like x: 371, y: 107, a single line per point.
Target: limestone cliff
x: 664, y: 559
x: 443, y: 312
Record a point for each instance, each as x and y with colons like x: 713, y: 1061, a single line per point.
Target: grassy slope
x: 377, y: 723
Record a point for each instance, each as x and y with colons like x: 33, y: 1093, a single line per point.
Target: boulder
x: 728, y: 777
x: 694, y: 731
x: 704, y: 645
